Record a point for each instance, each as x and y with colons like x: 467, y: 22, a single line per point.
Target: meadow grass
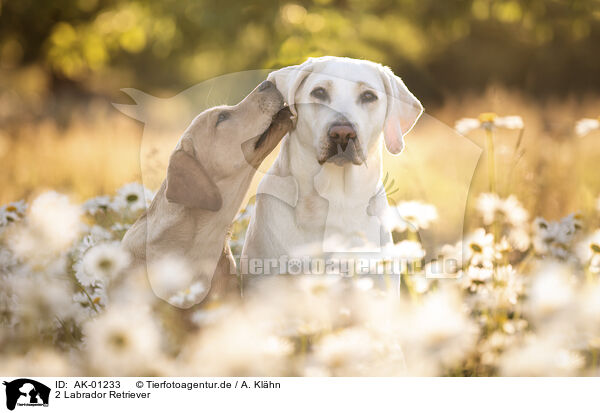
x: 549, y: 169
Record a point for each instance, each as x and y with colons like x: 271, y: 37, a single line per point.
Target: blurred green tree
x: 544, y: 47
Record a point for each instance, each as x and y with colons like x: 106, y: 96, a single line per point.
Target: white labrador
x: 208, y: 175
x: 324, y: 189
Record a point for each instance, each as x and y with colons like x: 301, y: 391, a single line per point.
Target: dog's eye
x: 367, y: 97
x: 222, y: 117
x: 319, y: 93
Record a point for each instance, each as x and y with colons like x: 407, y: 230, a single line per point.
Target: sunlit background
x: 63, y: 62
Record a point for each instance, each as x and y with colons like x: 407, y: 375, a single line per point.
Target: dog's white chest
x: 342, y: 221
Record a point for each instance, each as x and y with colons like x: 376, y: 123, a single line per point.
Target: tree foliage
x: 439, y: 47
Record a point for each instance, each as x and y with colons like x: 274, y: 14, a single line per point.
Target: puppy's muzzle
x: 265, y: 86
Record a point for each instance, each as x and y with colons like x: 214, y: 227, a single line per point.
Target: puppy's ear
x: 403, y: 111
x: 188, y: 183
x: 288, y: 80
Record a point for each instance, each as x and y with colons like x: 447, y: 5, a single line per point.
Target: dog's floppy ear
x: 403, y: 111
x: 288, y: 80
x: 188, y: 183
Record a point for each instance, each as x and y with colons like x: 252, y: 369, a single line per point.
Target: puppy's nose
x: 265, y: 85
x: 341, y: 133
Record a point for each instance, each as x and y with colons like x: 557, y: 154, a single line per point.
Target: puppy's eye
x: 368, y: 96
x: 223, y: 116
x: 319, y: 93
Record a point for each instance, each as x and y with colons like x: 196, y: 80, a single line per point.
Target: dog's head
x: 341, y: 107
x: 223, y: 142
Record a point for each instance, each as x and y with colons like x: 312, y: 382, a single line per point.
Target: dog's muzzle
x: 342, y: 145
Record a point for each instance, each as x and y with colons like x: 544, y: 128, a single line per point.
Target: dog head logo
x: 26, y: 392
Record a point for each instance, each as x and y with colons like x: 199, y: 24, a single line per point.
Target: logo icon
x: 26, y: 392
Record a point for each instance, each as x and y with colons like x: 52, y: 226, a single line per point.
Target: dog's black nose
x: 265, y: 85
x: 341, y: 133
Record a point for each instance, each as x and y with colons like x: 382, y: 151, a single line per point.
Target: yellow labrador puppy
x: 208, y: 175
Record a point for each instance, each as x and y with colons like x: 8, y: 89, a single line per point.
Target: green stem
x: 82, y: 288
x: 303, y: 344
x: 491, y: 162
x: 489, y: 135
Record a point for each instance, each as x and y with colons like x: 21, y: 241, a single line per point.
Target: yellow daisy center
x: 475, y: 247
x: 487, y: 117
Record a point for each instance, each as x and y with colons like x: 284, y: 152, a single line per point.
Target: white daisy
x: 445, y: 339
x: 238, y: 347
x: 56, y: 217
x: 211, y: 313
x: 42, y: 362
x: 15, y: 211
x: 466, y: 125
x: 363, y: 283
x: 540, y: 356
x: 421, y: 284
x: 96, y: 234
x: 555, y: 237
x: 102, y: 263
x: 123, y: 341
x: 508, y: 286
x: 40, y: 298
x: 589, y: 247
x: 133, y: 197
x: 452, y: 257
x: 487, y: 205
x: 97, y: 204
x: 53, y: 223
x: 552, y: 292
x: 488, y: 121
x: 585, y: 126
x: 514, y: 212
x: 588, y: 316
x: 357, y: 351
x: 190, y: 296
x: 478, y: 274
x: 408, y: 250
x: 317, y: 286
x: 411, y: 215
x: 169, y: 275
x: 478, y: 245
x: 509, y: 122
x: 405, y: 256
x: 519, y: 239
